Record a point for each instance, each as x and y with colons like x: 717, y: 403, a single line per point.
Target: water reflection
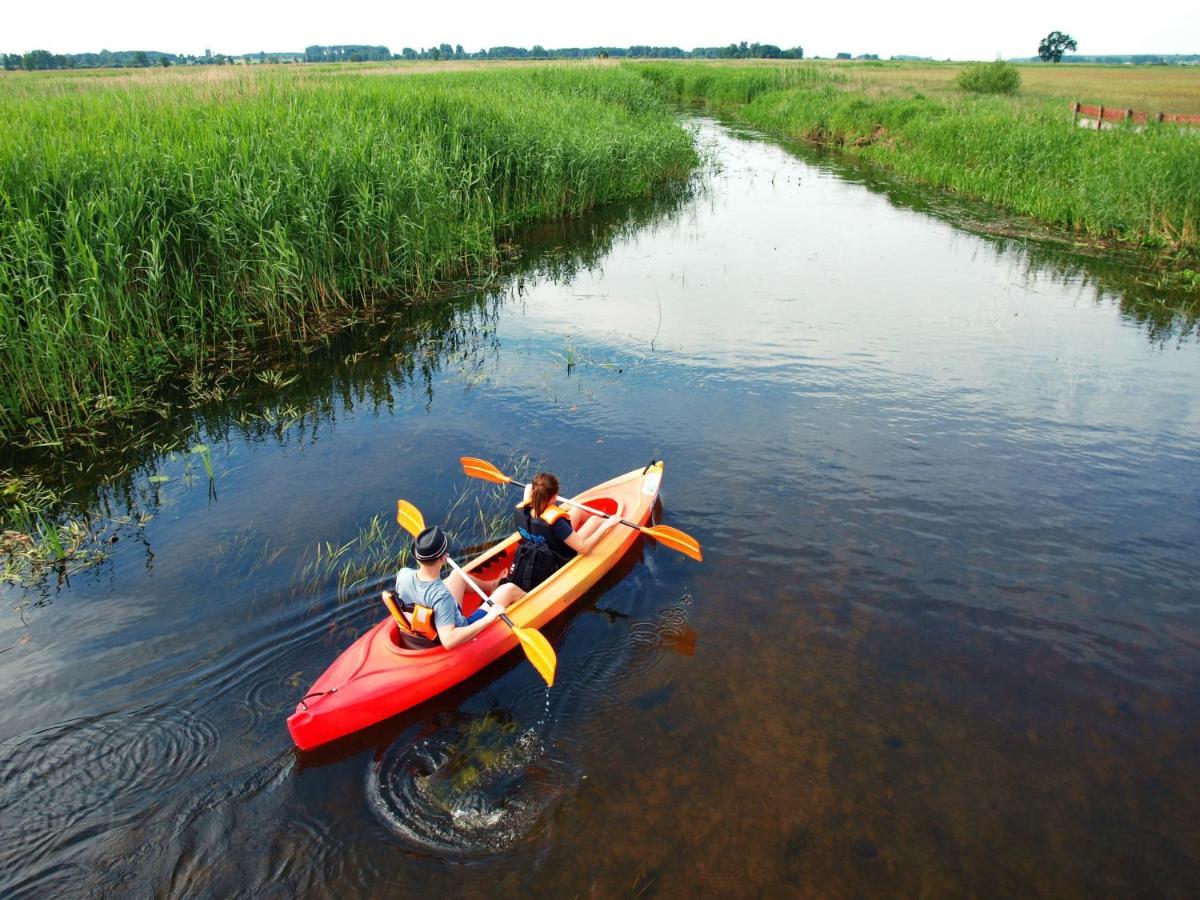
x: 1166, y: 309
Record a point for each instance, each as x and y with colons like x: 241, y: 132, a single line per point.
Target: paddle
x: 533, y: 642
x: 672, y: 537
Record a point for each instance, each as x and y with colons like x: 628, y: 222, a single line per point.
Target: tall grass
x: 151, y: 226
x: 1026, y: 155
x: 727, y: 86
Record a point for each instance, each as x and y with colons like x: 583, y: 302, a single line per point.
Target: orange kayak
x: 376, y: 677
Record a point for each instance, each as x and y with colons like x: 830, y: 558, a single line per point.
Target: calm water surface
x: 946, y: 640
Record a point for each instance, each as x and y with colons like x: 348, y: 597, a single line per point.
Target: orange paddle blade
x: 409, y: 517
x: 481, y: 468
x: 676, y: 540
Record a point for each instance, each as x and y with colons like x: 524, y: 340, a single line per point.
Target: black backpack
x: 533, y: 564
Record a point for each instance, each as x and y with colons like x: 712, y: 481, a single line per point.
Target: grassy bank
x: 1023, y: 153
x: 152, y: 225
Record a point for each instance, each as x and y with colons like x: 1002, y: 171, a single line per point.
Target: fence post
x: 1128, y: 114
x: 1159, y: 117
x: 1100, y: 118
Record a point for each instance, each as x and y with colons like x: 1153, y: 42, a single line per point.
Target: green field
x: 157, y: 223
x: 1173, y: 89
x: 1022, y: 152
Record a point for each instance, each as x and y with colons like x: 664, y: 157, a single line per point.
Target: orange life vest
x: 417, y: 621
x: 550, y: 514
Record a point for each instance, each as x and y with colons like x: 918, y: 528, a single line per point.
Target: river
x: 945, y: 640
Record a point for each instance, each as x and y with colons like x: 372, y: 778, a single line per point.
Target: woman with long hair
x: 549, y: 539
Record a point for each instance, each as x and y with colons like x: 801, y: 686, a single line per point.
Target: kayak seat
x: 606, y: 505
x: 400, y: 642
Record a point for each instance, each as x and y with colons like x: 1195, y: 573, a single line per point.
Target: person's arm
x: 583, y: 545
x: 452, y: 635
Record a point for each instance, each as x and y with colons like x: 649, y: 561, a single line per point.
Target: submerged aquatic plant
x: 377, y: 549
x: 37, y: 539
x: 202, y: 451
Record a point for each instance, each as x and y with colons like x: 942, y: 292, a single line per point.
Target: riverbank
x: 162, y: 228
x: 1021, y: 153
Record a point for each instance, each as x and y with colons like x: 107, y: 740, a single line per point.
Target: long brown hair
x: 545, y: 489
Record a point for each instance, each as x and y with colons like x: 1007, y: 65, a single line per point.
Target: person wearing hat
x: 432, y: 606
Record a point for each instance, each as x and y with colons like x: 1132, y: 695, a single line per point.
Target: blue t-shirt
x: 412, y: 590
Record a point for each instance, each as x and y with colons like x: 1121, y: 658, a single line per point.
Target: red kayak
x: 376, y: 677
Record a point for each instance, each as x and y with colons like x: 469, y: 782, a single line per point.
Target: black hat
x: 431, y: 544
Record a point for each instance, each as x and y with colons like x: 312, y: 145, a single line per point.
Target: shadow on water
x: 1167, y: 310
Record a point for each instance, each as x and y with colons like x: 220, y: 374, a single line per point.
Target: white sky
x: 956, y: 29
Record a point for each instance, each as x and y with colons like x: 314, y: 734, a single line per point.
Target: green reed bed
x: 150, y: 226
x: 1023, y: 154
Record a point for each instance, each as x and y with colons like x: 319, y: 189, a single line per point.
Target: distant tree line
x: 1137, y: 59
x: 354, y: 53
x: 108, y: 59
x: 318, y: 53
x: 638, y: 51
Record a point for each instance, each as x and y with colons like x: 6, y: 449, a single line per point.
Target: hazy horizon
x: 939, y: 29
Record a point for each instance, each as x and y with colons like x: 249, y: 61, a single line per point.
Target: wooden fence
x: 1102, y: 116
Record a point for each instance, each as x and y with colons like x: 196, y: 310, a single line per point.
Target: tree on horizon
x: 1054, y: 44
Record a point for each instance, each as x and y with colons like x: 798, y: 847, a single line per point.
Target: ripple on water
x: 67, y: 783
x: 587, y: 690
x: 475, y: 788
x: 260, y: 702
x: 482, y: 785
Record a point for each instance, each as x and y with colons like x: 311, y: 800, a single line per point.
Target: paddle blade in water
x: 409, y: 517
x: 676, y: 540
x: 539, y: 652
x: 481, y: 468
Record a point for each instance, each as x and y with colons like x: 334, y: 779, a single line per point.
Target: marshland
x: 922, y: 366
x: 1018, y: 148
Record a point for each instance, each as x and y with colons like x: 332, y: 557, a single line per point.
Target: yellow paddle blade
x: 409, y: 517
x: 676, y: 540
x: 539, y: 652
x: 481, y: 468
